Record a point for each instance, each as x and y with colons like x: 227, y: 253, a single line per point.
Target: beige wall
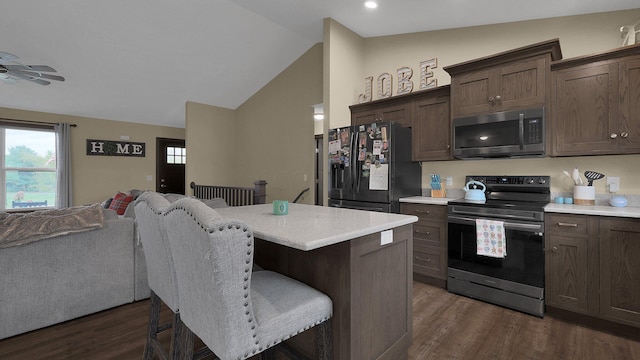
x: 96, y: 178
x: 211, y: 145
x: 579, y: 35
x: 269, y: 137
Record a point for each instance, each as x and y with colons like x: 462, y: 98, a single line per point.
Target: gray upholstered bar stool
x: 237, y: 313
x: 161, y: 274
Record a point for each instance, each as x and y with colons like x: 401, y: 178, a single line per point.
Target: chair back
x: 149, y: 208
x: 213, y: 259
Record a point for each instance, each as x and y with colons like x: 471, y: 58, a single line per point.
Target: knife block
x: 439, y: 193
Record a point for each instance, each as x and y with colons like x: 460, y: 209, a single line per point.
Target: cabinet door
x: 470, y: 93
x: 586, y: 108
x: 571, y: 263
x: 629, y: 106
x: 521, y: 85
x: 431, y: 132
x: 363, y: 117
x: 567, y: 280
x: 620, y: 270
x: 399, y: 113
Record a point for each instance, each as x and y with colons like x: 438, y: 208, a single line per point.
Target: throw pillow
x: 120, y: 202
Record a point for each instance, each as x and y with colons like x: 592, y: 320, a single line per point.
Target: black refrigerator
x: 371, y: 168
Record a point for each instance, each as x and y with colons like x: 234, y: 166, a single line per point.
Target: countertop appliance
x: 371, y: 168
x: 515, y: 280
x: 503, y: 134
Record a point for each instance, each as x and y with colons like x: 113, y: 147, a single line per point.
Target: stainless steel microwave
x: 503, y: 134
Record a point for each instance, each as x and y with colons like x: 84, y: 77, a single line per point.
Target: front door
x: 171, y: 157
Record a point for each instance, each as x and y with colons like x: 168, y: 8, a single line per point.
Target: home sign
x: 405, y: 84
x: 115, y: 148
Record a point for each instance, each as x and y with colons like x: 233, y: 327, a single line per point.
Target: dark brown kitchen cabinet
x: 429, y: 242
x: 515, y: 79
x: 396, y: 109
x: 591, y: 266
x: 431, y: 132
x: 620, y: 270
x: 596, y: 104
x: 571, y: 263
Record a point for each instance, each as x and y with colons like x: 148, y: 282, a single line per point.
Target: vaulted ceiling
x: 141, y: 60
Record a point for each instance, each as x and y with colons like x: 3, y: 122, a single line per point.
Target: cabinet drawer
x: 426, y: 212
x: 566, y: 224
x: 426, y: 236
x: 430, y: 262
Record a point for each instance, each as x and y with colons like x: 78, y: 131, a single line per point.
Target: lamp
x: 318, y: 111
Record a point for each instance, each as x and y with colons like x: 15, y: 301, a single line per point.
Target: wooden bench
x: 28, y: 204
x: 233, y: 195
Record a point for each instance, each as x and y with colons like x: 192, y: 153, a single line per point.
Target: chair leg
x: 152, y: 327
x: 186, y: 342
x: 324, y: 341
x: 176, y: 335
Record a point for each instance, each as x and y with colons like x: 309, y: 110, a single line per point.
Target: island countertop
x: 309, y: 227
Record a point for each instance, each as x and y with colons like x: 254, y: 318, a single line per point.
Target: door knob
x: 498, y: 98
x: 624, y: 134
x: 614, y: 135
x: 554, y: 249
x: 163, y: 185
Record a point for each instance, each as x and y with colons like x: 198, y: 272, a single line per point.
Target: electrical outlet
x: 448, y: 181
x: 613, y: 183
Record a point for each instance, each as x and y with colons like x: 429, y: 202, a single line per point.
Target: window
x: 176, y: 155
x: 28, y: 160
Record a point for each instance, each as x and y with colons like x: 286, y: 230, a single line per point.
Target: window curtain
x: 63, y: 162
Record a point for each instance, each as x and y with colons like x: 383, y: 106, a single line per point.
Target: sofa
x: 56, y: 279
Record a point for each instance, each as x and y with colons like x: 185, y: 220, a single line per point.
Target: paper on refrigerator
x: 379, y: 177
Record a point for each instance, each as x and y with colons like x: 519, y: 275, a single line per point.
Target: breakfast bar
x: 361, y: 259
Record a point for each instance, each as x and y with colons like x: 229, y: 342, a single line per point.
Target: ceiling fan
x: 11, y: 70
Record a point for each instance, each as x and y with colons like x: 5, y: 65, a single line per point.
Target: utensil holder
x: 439, y: 193
x: 584, y: 195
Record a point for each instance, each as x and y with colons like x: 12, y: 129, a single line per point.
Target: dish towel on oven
x: 491, y: 240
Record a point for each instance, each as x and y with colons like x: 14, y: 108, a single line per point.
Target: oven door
x: 524, y: 262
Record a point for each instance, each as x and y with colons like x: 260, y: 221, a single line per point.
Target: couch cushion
x: 120, y: 202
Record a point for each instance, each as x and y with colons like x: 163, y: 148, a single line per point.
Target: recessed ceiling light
x: 371, y: 4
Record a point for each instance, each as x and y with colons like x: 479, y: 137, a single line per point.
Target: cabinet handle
x: 567, y: 224
x: 423, y: 212
x: 614, y: 135
x: 491, y: 99
x: 419, y: 258
x: 498, y: 97
x: 624, y: 134
x: 554, y: 249
x: 420, y: 232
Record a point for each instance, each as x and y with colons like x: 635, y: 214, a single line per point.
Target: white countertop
x: 601, y: 210
x: 633, y: 212
x: 309, y: 227
x: 426, y: 200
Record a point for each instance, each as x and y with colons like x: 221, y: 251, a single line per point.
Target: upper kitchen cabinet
x: 396, y: 109
x: 431, y: 132
x: 511, y: 80
x: 596, y: 104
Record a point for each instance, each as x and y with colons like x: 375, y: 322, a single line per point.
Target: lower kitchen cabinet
x: 592, y: 267
x: 429, y: 242
x: 620, y: 270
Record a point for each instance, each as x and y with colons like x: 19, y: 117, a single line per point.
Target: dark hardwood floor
x: 446, y: 326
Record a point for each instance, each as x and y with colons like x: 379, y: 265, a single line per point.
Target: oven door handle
x: 537, y: 228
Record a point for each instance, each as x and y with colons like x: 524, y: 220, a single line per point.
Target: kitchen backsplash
x: 622, y: 166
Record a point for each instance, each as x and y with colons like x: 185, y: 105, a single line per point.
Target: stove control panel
x: 512, y: 181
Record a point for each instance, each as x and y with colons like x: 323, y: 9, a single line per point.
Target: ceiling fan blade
x: 29, y: 78
x: 5, y: 57
x: 36, y: 74
x: 6, y: 79
x: 31, y: 68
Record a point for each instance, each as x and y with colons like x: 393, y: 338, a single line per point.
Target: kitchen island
x: 361, y: 259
